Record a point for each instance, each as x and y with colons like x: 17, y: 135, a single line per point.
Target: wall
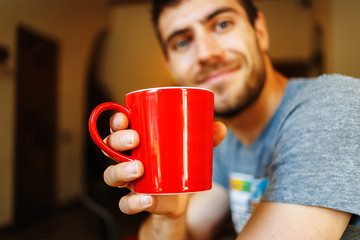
x: 132, y: 58
x: 346, y: 37
x: 290, y: 28
x: 74, y: 24
x: 322, y: 15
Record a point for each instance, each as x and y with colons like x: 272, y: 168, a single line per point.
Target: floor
x: 86, y: 219
x: 94, y: 217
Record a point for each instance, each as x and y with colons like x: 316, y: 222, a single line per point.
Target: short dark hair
x: 158, y: 7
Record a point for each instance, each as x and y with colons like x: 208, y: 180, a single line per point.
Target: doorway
x: 36, y: 108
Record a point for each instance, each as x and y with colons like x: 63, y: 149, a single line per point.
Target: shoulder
x: 326, y: 88
x: 324, y: 110
x: 323, y: 100
x: 317, y: 145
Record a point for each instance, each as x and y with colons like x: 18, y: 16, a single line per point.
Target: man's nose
x: 208, y: 49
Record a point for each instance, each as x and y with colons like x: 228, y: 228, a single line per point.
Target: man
x: 298, y: 139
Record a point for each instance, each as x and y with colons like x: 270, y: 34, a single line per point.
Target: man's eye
x: 222, y: 25
x: 181, y: 44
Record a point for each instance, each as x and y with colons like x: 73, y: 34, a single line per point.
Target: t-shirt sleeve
x: 317, y: 150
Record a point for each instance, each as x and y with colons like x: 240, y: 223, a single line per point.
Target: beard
x: 237, y: 98
x: 244, y: 98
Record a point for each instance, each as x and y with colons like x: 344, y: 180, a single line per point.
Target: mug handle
x: 95, y: 134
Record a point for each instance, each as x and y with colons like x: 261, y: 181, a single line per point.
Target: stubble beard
x: 246, y: 96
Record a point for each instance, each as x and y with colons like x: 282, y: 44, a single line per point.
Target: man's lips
x: 217, y: 75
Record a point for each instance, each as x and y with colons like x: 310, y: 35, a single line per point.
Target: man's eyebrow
x: 206, y: 19
x: 174, y: 34
x: 219, y: 11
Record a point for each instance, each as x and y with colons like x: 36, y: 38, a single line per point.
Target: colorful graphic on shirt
x: 245, y: 194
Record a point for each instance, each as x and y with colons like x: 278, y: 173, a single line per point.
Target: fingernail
x: 145, y: 200
x: 115, y: 123
x: 129, y: 138
x: 132, y: 167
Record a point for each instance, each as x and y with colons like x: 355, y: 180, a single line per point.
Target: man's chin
x: 234, y: 111
x: 229, y: 113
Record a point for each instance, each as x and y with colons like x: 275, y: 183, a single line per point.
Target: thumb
x: 219, y: 130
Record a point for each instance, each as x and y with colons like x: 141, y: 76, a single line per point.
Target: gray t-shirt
x: 309, y: 153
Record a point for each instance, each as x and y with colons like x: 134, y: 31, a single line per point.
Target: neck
x: 248, y: 125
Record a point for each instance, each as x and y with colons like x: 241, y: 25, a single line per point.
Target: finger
x: 123, y: 140
x: 122, y: 173
x: 220, y: 131
x: 134, y: 203
x: 169, y: 205
x: 128, y: 185
x: 118, y: 121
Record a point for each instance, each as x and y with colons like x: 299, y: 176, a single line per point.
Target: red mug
x: 175, y: 125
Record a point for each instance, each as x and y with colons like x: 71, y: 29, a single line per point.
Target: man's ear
x: 262, y: 32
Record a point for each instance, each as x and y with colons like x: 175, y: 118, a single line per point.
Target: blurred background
x: 60, y: 58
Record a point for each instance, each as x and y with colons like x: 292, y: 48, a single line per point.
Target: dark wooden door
x: 37, y: 64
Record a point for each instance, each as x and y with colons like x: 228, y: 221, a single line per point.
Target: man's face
x: 211, y: 44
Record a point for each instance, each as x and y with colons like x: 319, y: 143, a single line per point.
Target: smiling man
x: 215, y: 48
x: 289, y: 165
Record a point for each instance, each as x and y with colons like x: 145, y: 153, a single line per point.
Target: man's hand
x: 122, y: 174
